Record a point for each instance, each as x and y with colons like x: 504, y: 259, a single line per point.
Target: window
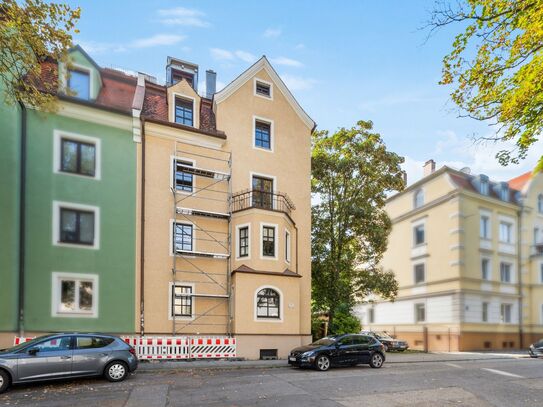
x: 484, y: 316
x: 362, y: 340
x: 268, y: 241
x: 263, y: 89
x: 54, y: 344
x: 537, y: 236
x: 181, y: 305
x: 183, y: 111
x: 243, y: 241
x: 419, y: 273
x: 177, y: 76
x: 345, y: 341
x: 77, y: 157
x: 267, y: 303
x: 183, y: 237
x: 75, y: 294
x: 419, y: 234
x: 262, y: 192
x: 287, y: 246
x: 540, y: 203
x: 371, y: 315
x: 484, y: 227
x: 183, y: 180
x: 92, y: 342
x: 485, y: 269
x: 76, y: 226
x: 262, y: 135
x: 418, y: 198
x: 420, y: 313
x: 79, y: 83
x: 505, y: 313
x: 484, y: 187
x: 504, y: 193
x: 506, y: 230
x: 505, y: 272
x: 541, y: 273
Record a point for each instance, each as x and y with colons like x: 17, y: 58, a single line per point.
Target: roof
x: 520, y: 181
x: 248, y: 270
x: 263, y: 63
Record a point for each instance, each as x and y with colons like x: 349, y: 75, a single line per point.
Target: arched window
x: 268, y: 303
x: 540, y: 203
x: 418, y: 198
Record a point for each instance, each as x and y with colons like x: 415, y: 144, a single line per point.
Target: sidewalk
x: 411, y: 357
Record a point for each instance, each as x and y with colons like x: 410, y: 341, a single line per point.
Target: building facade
x: 67, y: 258
x: 467, y: 254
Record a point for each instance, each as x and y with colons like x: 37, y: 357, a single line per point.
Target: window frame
x: 56, y: 218
x: 264, y: 82
x: 173, y: 225
x: 272, y: 133
x: 509, y: 273
x: 540, y: 204
x: 423, y: 265
x: 276, y: 240
x: 415, y: 227
x: 418, y: 195
x: 487, y: 261
x: 173, y: 172
x: 171, y: 299
x: 258, y: 318
x: 503, y: 306
x: 510, y: 235
x: 59, y: 136
x: 371, y: 315
x: 78, y: 213
x: 418, y: 306
x: 238, y: 241
x: 188, y: 100
x: 56, y: 294
x: 484, y: 227
x: 485, y: 305
x: 288, y: 248
x: 83, y: 70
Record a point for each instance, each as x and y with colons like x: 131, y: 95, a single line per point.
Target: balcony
x: 271, y: 201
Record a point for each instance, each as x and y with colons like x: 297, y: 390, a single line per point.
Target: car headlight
x: 308, y: 354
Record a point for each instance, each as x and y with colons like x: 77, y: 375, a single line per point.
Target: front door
x: 262, y: 192
x: 90, y: 355
x: 52, y: 359
x: 345, y: 351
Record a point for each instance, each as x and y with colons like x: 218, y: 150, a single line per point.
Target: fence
x: 176, y: 347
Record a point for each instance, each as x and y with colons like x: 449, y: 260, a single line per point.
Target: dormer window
x: 177, y: 76
x: 184, y: 111
x: 504, y: 193
x: 483, y: 188
x: 263, y: 89
x: 418, y: 198
x: 79, y: 83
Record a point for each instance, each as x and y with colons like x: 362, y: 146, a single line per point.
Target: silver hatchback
x: 67, y: 355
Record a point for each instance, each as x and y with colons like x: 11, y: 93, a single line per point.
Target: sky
x: 343, y: 60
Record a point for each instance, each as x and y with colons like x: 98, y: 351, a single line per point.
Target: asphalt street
x: 493, y: 382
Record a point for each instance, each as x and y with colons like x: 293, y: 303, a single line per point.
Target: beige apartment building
x: 468, y: 256
x: 225, y: 213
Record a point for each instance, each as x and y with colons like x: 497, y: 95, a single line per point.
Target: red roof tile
x: 519, y: 182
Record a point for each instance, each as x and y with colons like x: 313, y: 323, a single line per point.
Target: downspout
x: 22, y: 221
x: 296, y: 229
x: 519, y: 268
x: 142, y: 221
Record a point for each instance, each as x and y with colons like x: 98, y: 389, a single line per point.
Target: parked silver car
x: 67, y: 355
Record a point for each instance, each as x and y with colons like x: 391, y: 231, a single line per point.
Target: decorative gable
x: 184, y: 97
x: 81, y: 76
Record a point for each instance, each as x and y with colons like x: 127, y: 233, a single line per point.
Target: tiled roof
x: 519, y: 182
x: 464, y: 181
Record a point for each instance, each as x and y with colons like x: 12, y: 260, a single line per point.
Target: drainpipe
x: 142, y: 240
x: 22, y: 221
x: 519, y: 268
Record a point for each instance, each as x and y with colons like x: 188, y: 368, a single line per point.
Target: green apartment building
x: 68, y: 206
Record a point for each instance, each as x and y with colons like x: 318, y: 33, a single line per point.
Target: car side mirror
x: 33, y: 351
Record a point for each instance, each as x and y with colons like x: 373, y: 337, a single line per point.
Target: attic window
x: 484, y: 187
x: 184, y: 111
x: 79, y: 83
x: 263, y: 89
x: 504, y: 194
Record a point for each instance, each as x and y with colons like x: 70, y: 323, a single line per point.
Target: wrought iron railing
x: 254, y: 198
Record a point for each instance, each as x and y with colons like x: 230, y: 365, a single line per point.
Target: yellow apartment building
x: 468, y: 256
x: 225, y: 209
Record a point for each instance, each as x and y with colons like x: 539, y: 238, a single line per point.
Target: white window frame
x: 414, y: 228
x: 272, y: 133
x: 56, y: 291
x: 281, y: 306
x: 489, y: 261
x: 483, y: 303
x: 195, y: 117
x: 170, y: 299
x: 238, y: 227
x: 415, y: 305
x: 173, y: 160
x: 58, y: 135
x: 502, y: 313
x: 57, y: 206
x: 418, y: 192
x: 423, y: 264
x: 65, y: 71
x: 512, y: 236
x: 488, y: 230
x: 255, y: 80
x: 540, y: 204
x: 172, y: 235
x: 511, y: 272
x: 276, y: 243
x: 288, y: 244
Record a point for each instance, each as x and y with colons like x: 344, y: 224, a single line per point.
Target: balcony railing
x: 254, y: 198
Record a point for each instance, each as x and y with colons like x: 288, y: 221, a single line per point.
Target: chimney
x: 211, y: 83
x: 429, y: 167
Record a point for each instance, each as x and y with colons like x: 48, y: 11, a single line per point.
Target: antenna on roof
x: 466, y: 170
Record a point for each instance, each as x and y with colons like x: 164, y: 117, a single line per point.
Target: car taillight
x: 132, y: 351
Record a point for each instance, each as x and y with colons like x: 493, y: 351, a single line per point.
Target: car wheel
x: 116, y: 371
x: 4, y: 381
x: 377, y: 360
x: 322, y: 363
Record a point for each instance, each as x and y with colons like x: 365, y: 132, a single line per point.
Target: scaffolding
x: 199, y: 206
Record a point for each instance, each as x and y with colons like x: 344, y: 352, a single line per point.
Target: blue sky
x: 344, y: 61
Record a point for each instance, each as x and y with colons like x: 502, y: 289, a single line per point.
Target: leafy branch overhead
x: 352, y: 172
x: 32, y: 33
x: 496, y: 68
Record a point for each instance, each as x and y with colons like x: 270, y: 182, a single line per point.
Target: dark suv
x: 388, y: 341
x: 67, y: 355
x: 341, y: 350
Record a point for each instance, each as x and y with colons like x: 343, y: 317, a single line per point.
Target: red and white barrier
x: 176, y: 347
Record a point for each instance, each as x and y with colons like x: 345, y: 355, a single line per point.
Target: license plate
x: 292, y: 359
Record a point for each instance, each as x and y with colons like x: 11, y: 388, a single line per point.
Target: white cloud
x: 294, y: 82
x: 272, y: 32
x: 286, y: 62
x: 157, y: 40
x: 183, y: 16
x: 245, y: 56
x: 226, y: 55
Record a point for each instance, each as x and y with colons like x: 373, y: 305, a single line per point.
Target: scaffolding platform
x: 194, y: 253
x: 204, y: 172
x: 202, y: 213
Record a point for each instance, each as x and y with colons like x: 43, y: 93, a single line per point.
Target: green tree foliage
x: 352, y: 171
x: 496, y: 68
x: 32, y: 32
x: 344, y: 322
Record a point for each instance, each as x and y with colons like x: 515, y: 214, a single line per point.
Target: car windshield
x: 382, y: 335
x: 22, y: 345
x: 324, y: 342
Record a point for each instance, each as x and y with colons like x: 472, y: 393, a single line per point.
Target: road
x: 505, y: 382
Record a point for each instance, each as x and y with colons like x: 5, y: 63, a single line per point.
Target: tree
x: 352, y: 171
x: 496, y: 68
x: 30, y: 34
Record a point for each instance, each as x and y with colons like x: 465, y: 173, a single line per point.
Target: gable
x: 182, y: 89
x: 80, y: 60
